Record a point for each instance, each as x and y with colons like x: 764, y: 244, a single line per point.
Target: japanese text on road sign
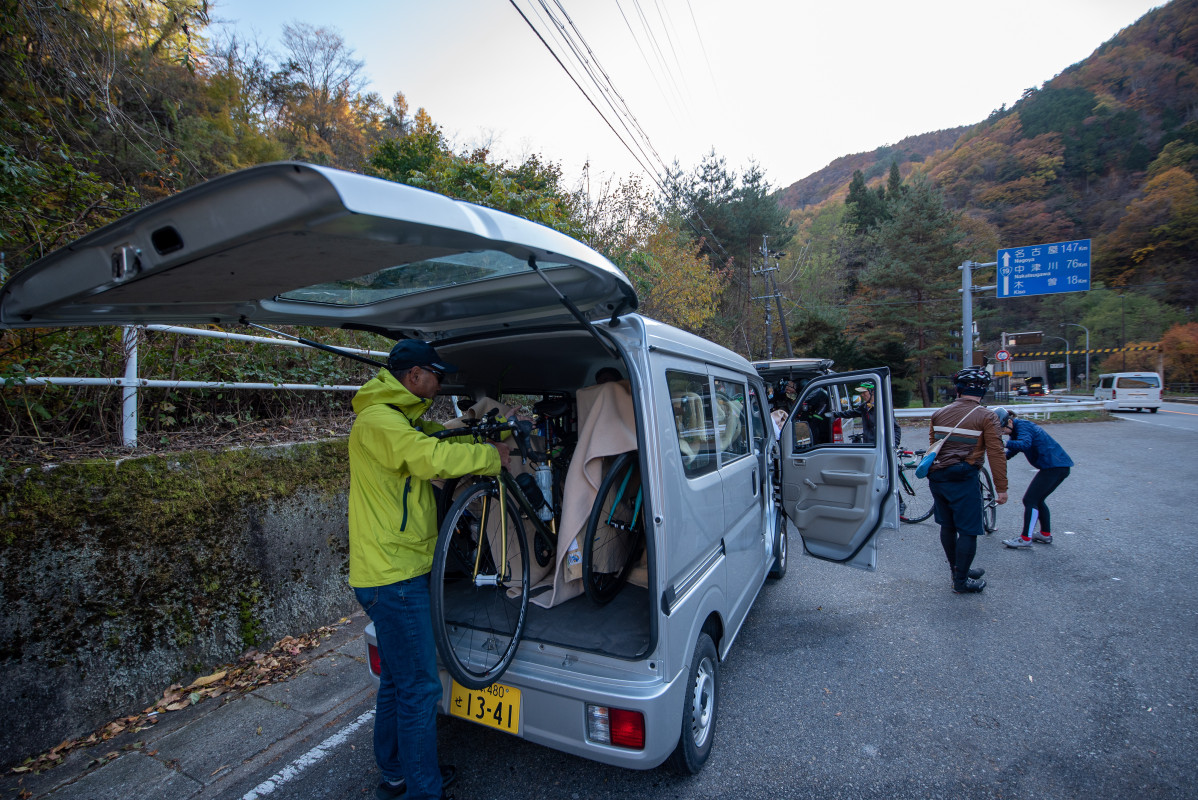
x: 1044, y: 269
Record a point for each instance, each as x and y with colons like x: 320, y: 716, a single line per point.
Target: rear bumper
x: 557, y: 685
x: 1130, y: 402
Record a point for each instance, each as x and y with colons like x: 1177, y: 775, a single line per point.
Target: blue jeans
x: 405, y: 722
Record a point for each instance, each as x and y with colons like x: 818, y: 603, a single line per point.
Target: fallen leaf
x: 178, y: 706
x: 207, y: 679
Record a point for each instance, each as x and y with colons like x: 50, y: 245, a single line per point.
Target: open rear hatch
x: 305, y: 245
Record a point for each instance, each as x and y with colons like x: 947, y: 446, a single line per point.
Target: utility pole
x: 771, y: 288
x: 1086, y: 382
x: 967, y: 290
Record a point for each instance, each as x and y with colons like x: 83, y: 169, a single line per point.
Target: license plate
x: 496, y: 706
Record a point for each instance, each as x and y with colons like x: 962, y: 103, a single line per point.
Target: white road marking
x: 1161, y: 424
x: 309, y: 758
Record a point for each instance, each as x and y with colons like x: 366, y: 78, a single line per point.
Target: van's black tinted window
x: 690, y: 397
x: 1105, y: 383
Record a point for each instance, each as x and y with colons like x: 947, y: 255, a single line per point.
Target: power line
x: 606, y: 88
x: 651, y: 173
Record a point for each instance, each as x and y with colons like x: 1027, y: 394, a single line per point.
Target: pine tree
x: 909, y: 284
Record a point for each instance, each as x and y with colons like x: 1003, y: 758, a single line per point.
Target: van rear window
x: 419, y: 275
x: 1143, y: 382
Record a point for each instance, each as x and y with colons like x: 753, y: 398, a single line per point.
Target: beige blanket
x: 606, y: 427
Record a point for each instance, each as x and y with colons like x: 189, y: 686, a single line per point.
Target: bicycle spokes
x: 480, y: 582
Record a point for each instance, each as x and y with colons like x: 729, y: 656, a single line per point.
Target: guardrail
x: 1045, y: 408
x: 130, y: 383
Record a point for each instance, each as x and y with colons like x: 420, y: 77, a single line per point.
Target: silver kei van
x: 530, y: 316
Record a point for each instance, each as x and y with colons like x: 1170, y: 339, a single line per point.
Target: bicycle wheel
x: 989, y: 502
x: 915, y: 496
x: 615, y: 530
x: 479, y: 591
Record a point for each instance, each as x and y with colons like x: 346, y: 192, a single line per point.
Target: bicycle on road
x: 915, y: 496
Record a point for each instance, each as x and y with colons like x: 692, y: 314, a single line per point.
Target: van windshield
x: 1140, y: 382
x: 415, y: 276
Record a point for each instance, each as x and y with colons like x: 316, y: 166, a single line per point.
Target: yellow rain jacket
x: 392, y: 510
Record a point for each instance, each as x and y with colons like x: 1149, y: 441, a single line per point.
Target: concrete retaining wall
x: 120, y: 578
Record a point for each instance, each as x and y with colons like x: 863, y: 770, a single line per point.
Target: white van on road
x: 1128, y: 390
x: 525, y: 312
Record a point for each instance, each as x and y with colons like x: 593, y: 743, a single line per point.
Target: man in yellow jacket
x: 392, y: 535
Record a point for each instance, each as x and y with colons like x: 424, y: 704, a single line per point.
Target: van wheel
x: 1154, y: 410
x: 778, y: 569
x: 699, y: 711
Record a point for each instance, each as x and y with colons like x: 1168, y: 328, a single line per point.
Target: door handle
x: 810, y: 483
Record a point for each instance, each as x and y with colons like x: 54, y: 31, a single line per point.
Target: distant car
x: 1021, y: 390
x: 1128, y: 390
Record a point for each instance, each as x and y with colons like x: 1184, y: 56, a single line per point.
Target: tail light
x: 616, y: 726
x: 1114, y: 393
x: 837, y: 432
x: 372, y: 654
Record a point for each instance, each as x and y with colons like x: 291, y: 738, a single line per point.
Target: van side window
x: 690, y: 397
x: 731, y: 421
x: 1105, y: 383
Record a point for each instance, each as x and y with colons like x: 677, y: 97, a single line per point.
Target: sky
x: 789, y: 84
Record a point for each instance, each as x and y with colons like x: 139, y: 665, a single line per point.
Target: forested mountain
x: 833, y: 180
x: 1106, y: 151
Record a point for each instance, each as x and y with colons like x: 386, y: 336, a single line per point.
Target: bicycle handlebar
x: 489, y: 427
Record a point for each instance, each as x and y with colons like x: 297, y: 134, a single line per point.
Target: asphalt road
x: 1071, y: 676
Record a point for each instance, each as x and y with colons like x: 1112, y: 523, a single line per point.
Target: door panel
x: 839, y: 496
x: 744, y: 501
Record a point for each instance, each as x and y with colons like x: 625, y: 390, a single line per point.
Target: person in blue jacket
x: 1053, y: 463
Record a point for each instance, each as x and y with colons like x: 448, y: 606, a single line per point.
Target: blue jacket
x: 1042, y: 450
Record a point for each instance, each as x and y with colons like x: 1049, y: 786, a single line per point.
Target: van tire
x: 1154, y: 410
x: 699, y: 710
x: 778, y: 568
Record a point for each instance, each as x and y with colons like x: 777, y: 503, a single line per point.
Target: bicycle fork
x: 495, y: 579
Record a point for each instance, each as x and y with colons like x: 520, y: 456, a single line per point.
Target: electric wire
x: 607, y: 91
x: 652, y: 175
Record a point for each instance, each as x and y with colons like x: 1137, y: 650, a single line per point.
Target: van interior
x: 539, y: 374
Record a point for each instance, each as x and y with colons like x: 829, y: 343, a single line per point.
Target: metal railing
x: 1045, y: 408
x: 130, y: 383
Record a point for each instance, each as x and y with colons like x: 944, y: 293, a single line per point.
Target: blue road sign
x: 1044, y: 269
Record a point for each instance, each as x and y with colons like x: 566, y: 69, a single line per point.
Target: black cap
x: 409, y: 353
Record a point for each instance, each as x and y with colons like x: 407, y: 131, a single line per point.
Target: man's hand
x: 1002, y: 498
x: 505, y: 454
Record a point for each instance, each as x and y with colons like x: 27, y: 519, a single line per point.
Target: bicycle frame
x: 543, y: 535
